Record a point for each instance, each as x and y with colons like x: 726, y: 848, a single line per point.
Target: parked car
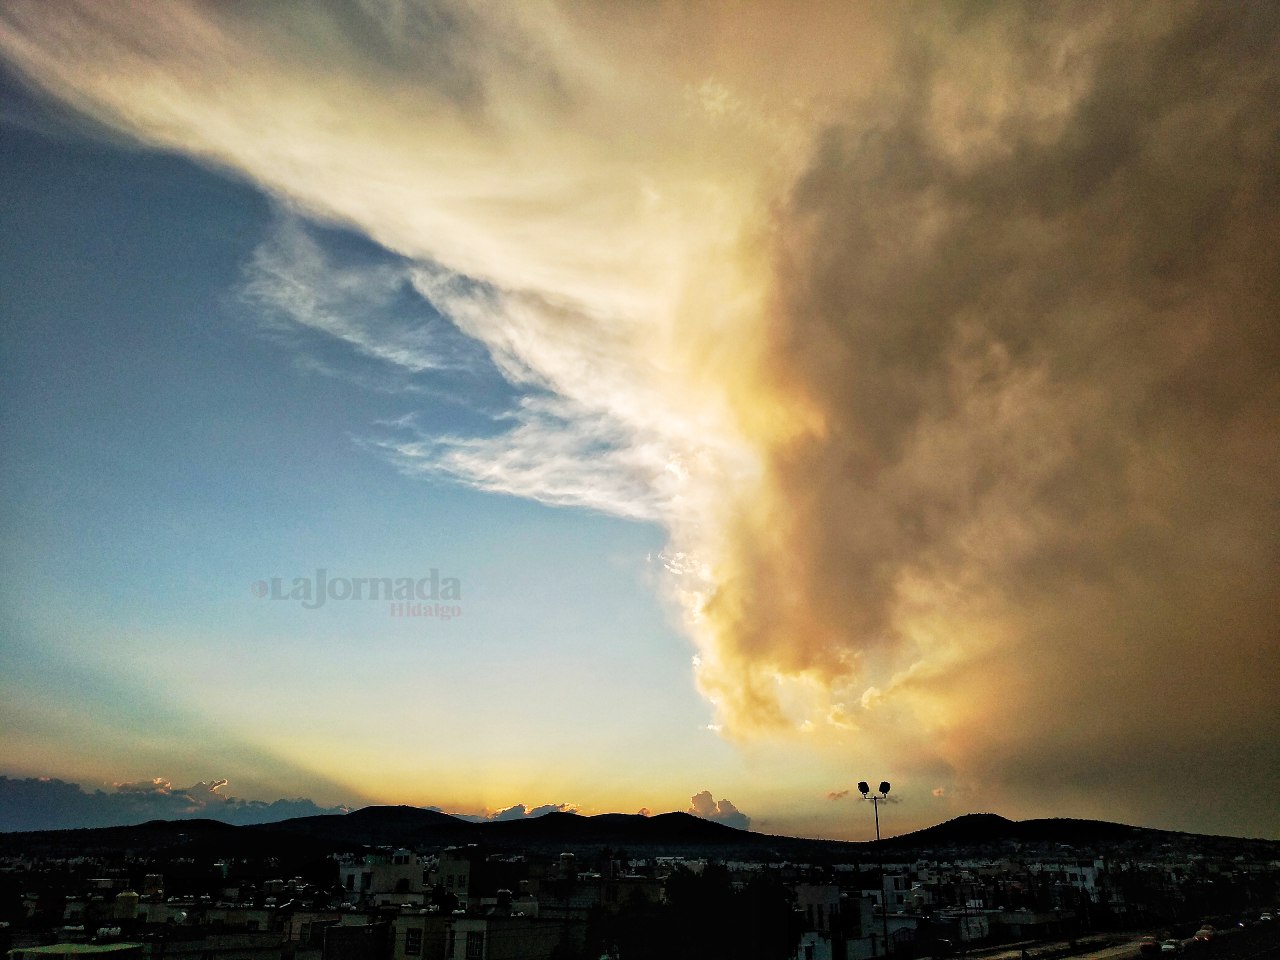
x: 1204, y: 935
x: 1148, y: 947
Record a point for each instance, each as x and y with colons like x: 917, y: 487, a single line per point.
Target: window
x: 413, y: 941
x: 475, y: 945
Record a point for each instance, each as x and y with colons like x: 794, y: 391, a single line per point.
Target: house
x: 510, y: 938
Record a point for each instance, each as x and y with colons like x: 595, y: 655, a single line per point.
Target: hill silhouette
x: 552, y: 832
x: 674, y: 834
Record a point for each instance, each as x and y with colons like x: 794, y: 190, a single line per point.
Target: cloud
x: 837, y: 794
x: 469, y: 817
x: 1030, y: 332
x: 521, y: 812
x: 721, y: 811
x: 947, y: 363
x: 298, y: 288
x: 518, y: 811
x: 48, y: 804
x: 939, y: 791
x: 554, y: 454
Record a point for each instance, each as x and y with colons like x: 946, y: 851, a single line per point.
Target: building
x: 509, y: 938
x: 420, y: 936
x: 401, y: 872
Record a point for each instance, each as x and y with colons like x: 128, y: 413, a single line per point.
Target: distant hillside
x: 195, y: 838
x: 614, y: 829
x: 672, y: 834
x: 397, y: 826
x: 984, y: 829
x: 993, y: 833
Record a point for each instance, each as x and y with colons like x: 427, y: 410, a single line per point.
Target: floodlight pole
x: 876, y: 799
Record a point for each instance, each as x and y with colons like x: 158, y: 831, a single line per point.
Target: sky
x: 744, y: 400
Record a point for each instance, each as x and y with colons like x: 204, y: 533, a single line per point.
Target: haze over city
x: 505, y: 408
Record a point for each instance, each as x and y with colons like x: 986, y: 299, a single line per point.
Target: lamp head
x: 863, y: 788
x: 884, y: 786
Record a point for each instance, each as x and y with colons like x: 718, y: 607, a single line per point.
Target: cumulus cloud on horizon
x: 522, y: 812
x: 721, y: 811
x: 948, y: 362
x: 44, y: 803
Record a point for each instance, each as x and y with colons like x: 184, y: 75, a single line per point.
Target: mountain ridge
x: 674, y: 833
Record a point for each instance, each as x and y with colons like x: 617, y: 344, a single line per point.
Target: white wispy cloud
x: 296, y: 288
x: 553, y: 454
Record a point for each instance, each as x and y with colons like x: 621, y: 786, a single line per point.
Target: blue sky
x: 166, y: 447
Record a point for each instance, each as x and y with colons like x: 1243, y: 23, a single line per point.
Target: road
x: 1259, y: 942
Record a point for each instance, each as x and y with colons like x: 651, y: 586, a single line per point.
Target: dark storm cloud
x: 1040, y: 337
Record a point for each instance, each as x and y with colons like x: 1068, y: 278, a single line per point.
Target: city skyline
x: 596, y: 407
